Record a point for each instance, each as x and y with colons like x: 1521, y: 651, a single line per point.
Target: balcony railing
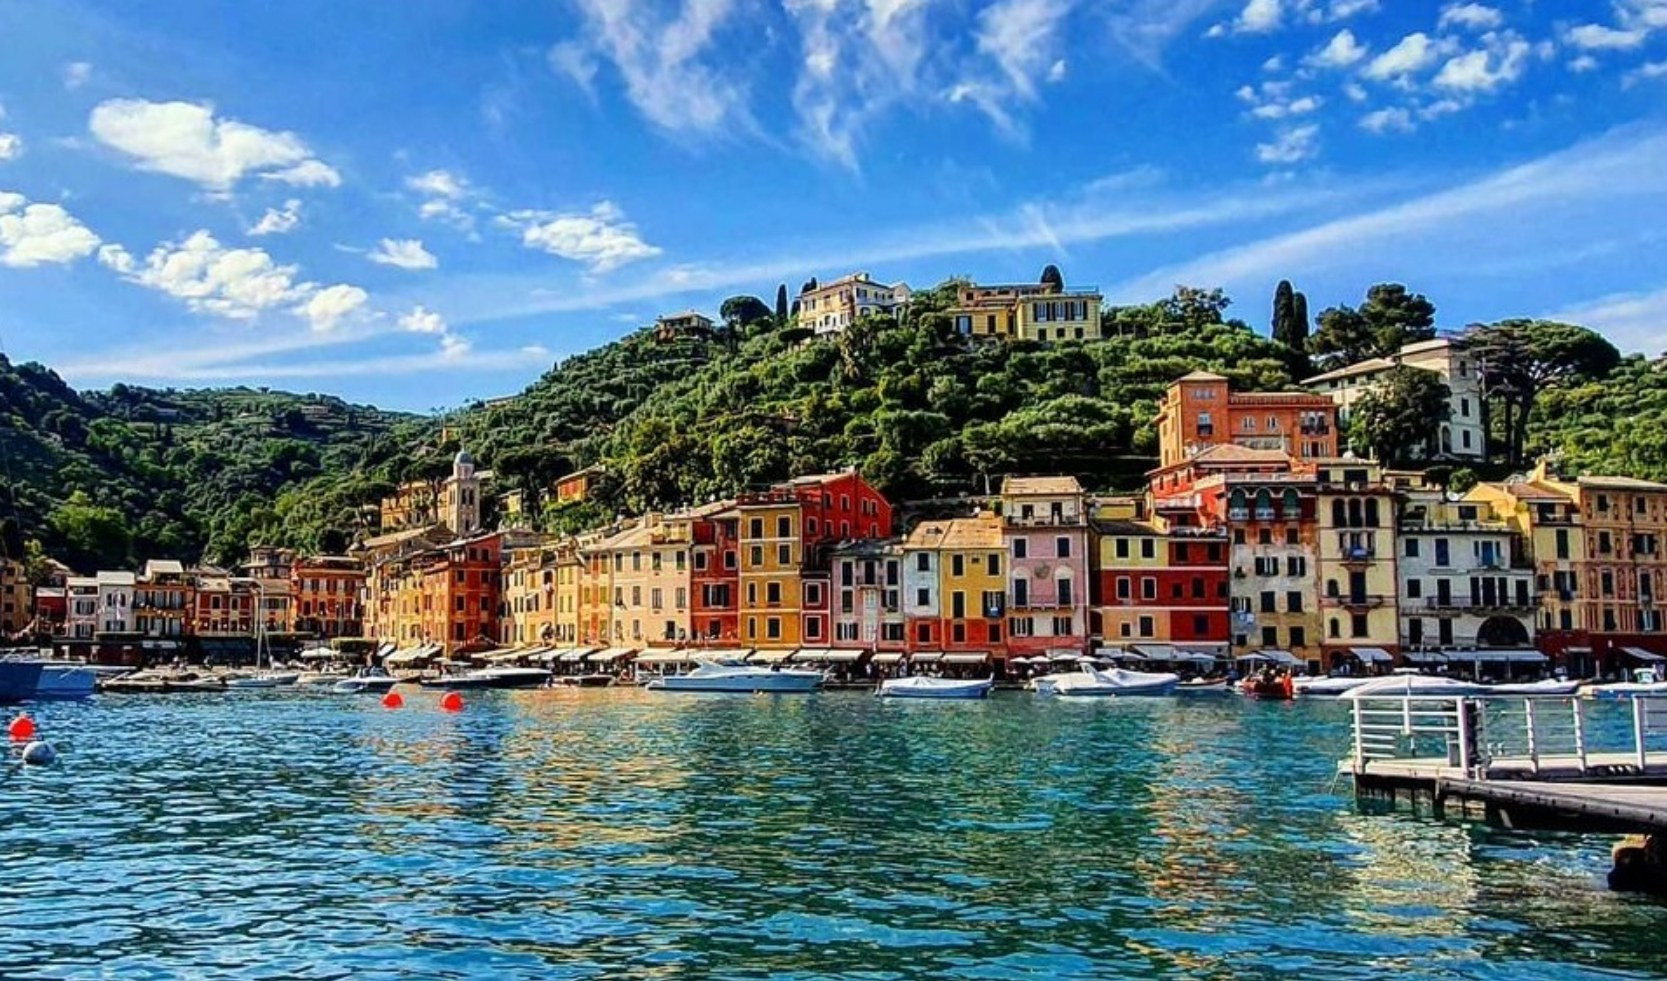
x: 1359, y: 600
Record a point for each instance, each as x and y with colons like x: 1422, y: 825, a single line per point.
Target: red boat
x: 1281, y: 687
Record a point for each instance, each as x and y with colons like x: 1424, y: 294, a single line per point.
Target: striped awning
x: 665, y: 655
x: 825, y: 655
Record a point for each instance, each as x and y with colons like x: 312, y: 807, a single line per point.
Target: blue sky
x: 421, y: 204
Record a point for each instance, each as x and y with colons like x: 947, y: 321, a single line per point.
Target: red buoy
x: 393, y: 700
x: 451, y: 702
x: 22, y: 729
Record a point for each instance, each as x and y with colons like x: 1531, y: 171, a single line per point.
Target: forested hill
x: 102, y: 479
x: 922, y: 411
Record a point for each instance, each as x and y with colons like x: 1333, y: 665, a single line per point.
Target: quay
x: 1550, y: 763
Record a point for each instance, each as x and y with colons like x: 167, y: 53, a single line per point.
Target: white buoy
x: 40, y: 753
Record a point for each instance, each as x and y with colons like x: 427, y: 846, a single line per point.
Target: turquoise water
x: 623, y: 834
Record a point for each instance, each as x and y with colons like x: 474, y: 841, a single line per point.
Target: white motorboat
x: 923, y: 687
x: 1203, y: 686
x: 1415, y: 686
x: 737, y: 677
x: 1550, y: 686
x: 491, y: 678
x: 1327, y: 686
x: 372, y: 681
x: 264, y: 679
x: 1093, y: 682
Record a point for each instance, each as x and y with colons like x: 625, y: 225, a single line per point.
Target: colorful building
x: 163, y: 601
x: 326, y: 596
x: 1359, y: 595
x: 868, y: 595
x: 1045, y: 525
x: 830, y: 307
x: 17, y: 607
x: 1156, y: 583
x: 270, y: 569
x: 1028, y: 311
x: 715, y: 574
x: 648, y: 584
x: 223, y: 606
x: 455, y: 502
x: 1200, y: 410
x: 1466, y: 578
x: 1463, y: 434
x: 958, y: 598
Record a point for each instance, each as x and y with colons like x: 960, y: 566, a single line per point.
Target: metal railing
x: 1521, y: 732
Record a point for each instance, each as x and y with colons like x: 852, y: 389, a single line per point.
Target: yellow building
x: 972, y: 577
x: 831, y: 307
x: 770, y: 581
x: 1129, y: 552
x: 569, y: 569
x: 1030, y: 311
x: 1359, y: 589
x: 529, y: 599
x: 17, y: 607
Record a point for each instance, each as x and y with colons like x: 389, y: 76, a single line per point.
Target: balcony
x: 1360, y: 601
x: 1061, y: 520
x: 1357, y: 556
x: 1464, y: 604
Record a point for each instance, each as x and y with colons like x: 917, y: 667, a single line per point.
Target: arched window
x: 1335, y: 629
x: 1371, y: 512
x: 1331, y: 587
x: 1237, y: 501
x: 1355, y: 519
x: 1292, y: 505
x: 1339, y: 516
x: 1264, y: 504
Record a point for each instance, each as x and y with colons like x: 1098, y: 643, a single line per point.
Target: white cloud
x: 453, y: 347
x: 444, y: 193
x: 1475, y: 16
x: 185, y: 139
x: 11, y: 146
x: 1648, y: 71
x: 1387, y: 120
x: 1597, y: 37
x: 670, y: 65
x: 1291, y: 146
x: 1340, y: 52
x: 1501, y: 63
x: 406, y: 253
x: 1285, y: 109
x: 1344, y: 9
x: 1583, y: 64
x: 860, y: 58
x: 1643, y: 14
x: 1356, y: 92
x: 577, y: 62
x: 1258, y: 17
x: 438, y: 184
x: 40, y: 234
x: 602, y: 238
x: 1630, y: 321
x: 421, y: 320
x: 278, y: 221
x: 1274, y: 64
x: 210, y: 278
x: 328, y: 307
x: 1021, y: 37
x: 307, y: 173
x: 1411, y: 54
x: 76, y: 74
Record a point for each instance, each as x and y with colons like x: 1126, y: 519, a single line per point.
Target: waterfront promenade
x: 616, y: 833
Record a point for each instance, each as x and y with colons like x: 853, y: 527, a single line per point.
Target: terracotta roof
x: 1622, y: 483
x: 1040, y: 485
x: 1201, y: 376
x: 818, y: 478
x: 1526, y: 490
x: 440, y: 533
x: 1234, y: 453
x: 1114, y: 526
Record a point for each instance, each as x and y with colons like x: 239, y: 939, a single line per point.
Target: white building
x: 115, y: 602
x: 81, y: 607
x: 1462, y: 586
x: 1463, y: 435
x: 832, y: 307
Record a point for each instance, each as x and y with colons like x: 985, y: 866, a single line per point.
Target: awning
x: 722, y: 653
x: 1639, y: 654
x: 771, y: 657
x: 1285, y: 658
x: 1424, y: 657
x: 928, y: 657
x: 1372, y: 655
x: 1061, y: 656
x: 890, y: 657
x: 609, y: 655
x: 1498, y: 657
x: 967, y: 658
x: 493, y: 655
x: 1118, y: 654
x: 572, y: 654
x: 411, y: 655
x: 1156, y: 652
x: 1198, y: 657
x: 662, y: 656
x: 825, y: 655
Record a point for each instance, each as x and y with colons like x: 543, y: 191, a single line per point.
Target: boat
x: 1324, y: 686
x: 65, y: 681
x: 319, y: 679
x: 1282, y: 688
x: 1092, y: 682
x: 1202, y: 686
x: 922, y: 687
x: 163, y: 683
x: 1550, y: 686
x: 490, y: 678
x: 734, y: 676
x: 19, y: 680
x: 370, y: 681
x: 1415, y: 686
x: 586, y: 680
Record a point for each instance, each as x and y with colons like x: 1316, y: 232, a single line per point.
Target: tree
x: 1290, y: 326
x: 1520, y: 359
x: 1191, y: 306
x: 1390, y: 318
x: 1053, y: 279
x: 1400, y: 418
x: 92, y: 536
x: 743, y: 311
x: 781, y: 305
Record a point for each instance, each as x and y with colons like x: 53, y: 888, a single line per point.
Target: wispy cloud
x: 601, y: 238
x: 1631, y: 321
x: 403, y: 253
x: 186, y: 139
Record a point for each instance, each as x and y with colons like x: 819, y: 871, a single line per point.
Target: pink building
x: 1046, y: 530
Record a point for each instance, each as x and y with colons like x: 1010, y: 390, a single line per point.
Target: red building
x: 326, y: 593
x: 715, y: 577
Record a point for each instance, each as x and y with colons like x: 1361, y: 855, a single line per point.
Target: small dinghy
x: 1550, y: 686
x: 919, y: 687
x: 1201, y: 686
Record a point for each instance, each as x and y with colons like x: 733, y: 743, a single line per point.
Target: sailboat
x: 267, y: 678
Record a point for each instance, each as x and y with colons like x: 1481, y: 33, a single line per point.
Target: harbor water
x: 623, y: 834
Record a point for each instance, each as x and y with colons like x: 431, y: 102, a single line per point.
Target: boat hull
x: 936, y: 688
x: 61, y: 682
x: 19, y: 680
x: 364, y: 686
x: 775, y: 682
x: 1329, y: 687
x: 1207, y: 688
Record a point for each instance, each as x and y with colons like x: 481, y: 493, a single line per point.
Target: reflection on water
x: 611, y: 834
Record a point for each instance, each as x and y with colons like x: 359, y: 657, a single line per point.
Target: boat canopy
x: 572, y: 654
x: 1424, y: 657
x: 1372, y: 655
x: 1285, y: 658
x: 1639, y: 654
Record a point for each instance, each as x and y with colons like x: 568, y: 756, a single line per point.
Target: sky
x: 421, y: 204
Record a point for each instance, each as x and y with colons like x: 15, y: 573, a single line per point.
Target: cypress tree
x: 1284, y: 312
x: 781, y: 305
x: 1053, y: 279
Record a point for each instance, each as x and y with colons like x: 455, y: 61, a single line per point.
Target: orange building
x: 577, y: 486
x: 325, y: 596
x: 1200, y: 410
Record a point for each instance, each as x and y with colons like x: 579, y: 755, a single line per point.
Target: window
x: 784, y: 554
x: 813, y: 594
x: 995, y: 564
x: 1441, y: 551
x: 813, y: 628
x: 1021, y: 548
x: 1358, y: 625
x: 1063, y: 627
x: 1334, y: 628
x: 1062, y: 547
x: 923, y: 562
x: 1411, y: 548
x: 957, y: 565
x: 1415, y: 588
x: 923, y: 597
x: 1021, y: 592
x: 784, y: 527
x: 1148, y: 548
x: 1123, y: 591
x: 1293, y: 602
x: 1148, y: 588
x: 1122, y: 548
x: 655, y: 599
x: 772, y: 628
x: 923, y: 633
x: 1296, y: 566
x: 757, y: 555
x: 755, y: 528
x: 1146, y: 626
x: 1064, y: 586
x: 729, y: 559
x: 1270, y: 636
x: 958, y: 605
x: 1267, y: 602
